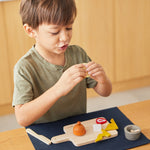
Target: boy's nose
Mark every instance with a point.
(64, 36)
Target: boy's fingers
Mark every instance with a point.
(79, 65)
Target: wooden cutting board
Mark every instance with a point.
(88, 138)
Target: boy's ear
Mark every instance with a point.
(29, 30)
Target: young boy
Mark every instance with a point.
(50, 79)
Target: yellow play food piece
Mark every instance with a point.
(87, 75)
(103, 134)
(112, 125)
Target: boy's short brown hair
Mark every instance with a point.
(36, 12)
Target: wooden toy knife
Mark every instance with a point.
(39, 137)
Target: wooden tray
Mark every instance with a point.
(88, 138)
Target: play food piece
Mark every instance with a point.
(79, 129)
(97, 127)
(112, 125)
(101, 120)
(103, 134)
(87, 75)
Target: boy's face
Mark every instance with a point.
(53, 38)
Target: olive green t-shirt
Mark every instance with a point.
(33, 75)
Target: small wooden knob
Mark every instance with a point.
(79, 129)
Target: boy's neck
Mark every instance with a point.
(51, 57)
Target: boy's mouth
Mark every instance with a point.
(64, 47)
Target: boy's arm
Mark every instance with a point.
(96, 72)
(29, 112)
(103, 89)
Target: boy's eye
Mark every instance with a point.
(68, 28)
(54, 33)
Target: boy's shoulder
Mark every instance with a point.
(25, 60)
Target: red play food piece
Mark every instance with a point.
(101, 120)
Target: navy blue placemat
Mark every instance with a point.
(56, 128)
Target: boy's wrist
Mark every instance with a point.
(57, 90)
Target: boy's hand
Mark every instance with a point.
(70, 78)
(96, 72)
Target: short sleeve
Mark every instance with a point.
(23, 92)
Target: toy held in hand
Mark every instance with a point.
(87, 75)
